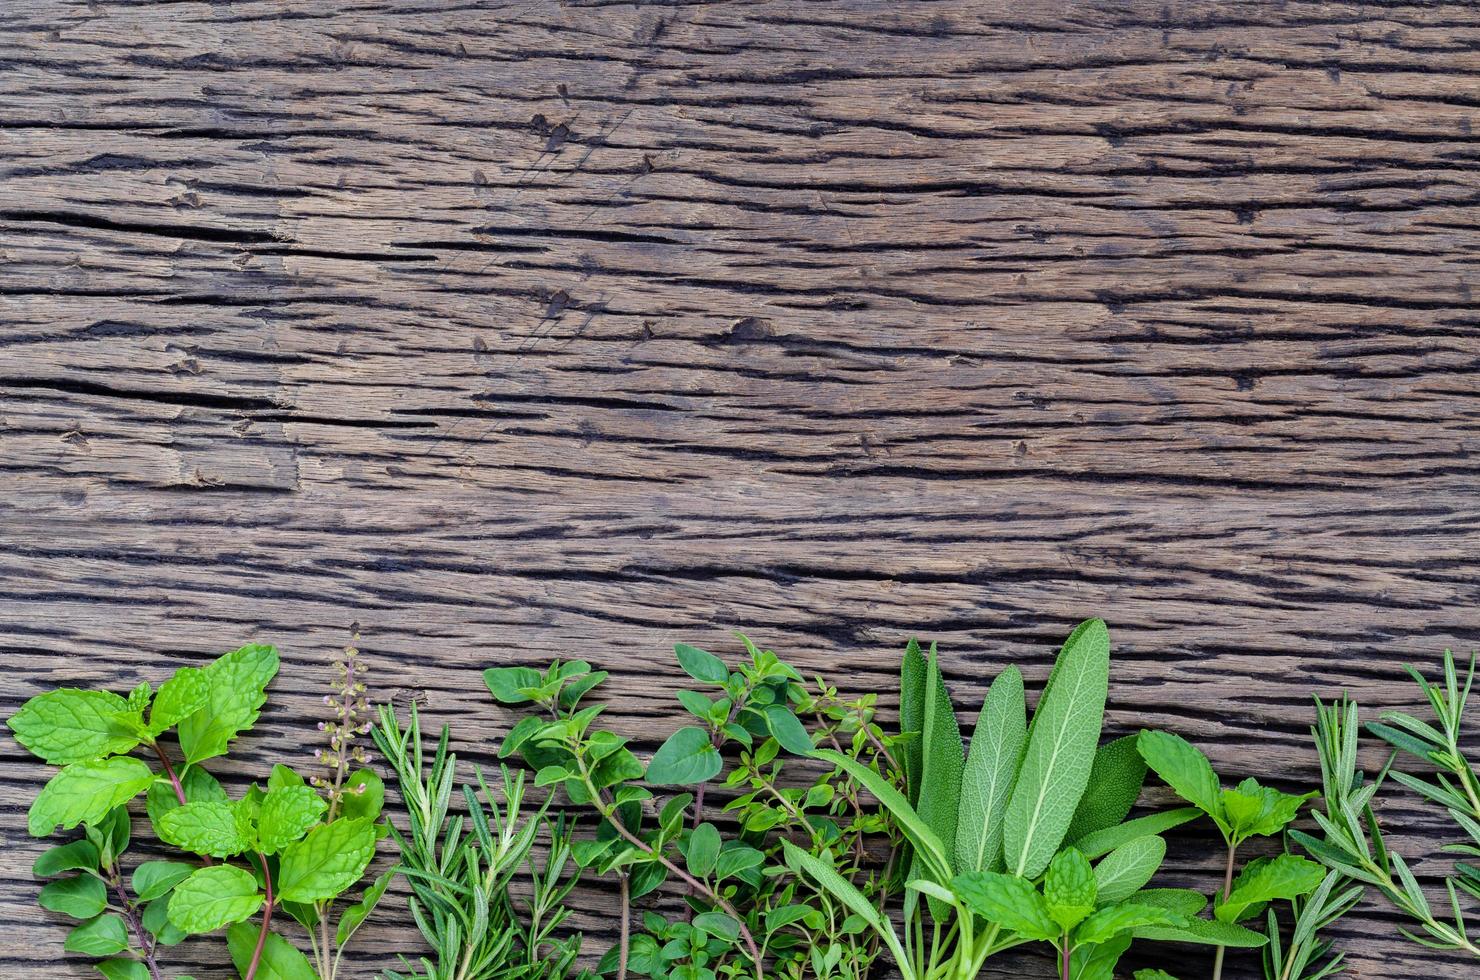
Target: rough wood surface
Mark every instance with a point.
(502, 331)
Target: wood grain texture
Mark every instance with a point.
(506, 331)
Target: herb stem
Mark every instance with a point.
(1064, 959)
(131, 914)
(251, 970)
(164, 760)
(1227, 890)
(626, 927)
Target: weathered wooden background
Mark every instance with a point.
(506, 331)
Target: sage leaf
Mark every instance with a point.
(912, 716)
(991, 770)
(845, 892)
(1115, 782)
(1127, 869)
(1102, 842)
(920, 836)
(1204, 932)
(1060, 752)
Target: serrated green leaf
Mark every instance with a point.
(991, 770)
(1060, 752)
(1115, 781)
(1264, 880)
(81, 897)
(103, 936)
(1153, 975)
(181, 696)
(198, 785)
(79, 855)
(1186, 770)
(1069, 888)
(1125, 870)
(326, 862)
(212, 897)
(1009, 901)
(701, 665)
(154, 878)
(281, 960)
(237, 683)
(686, 758)
(1115, 920)
(703, 850)
(1259, 811)
(286, 814)
(204, 828)
(85, 792)
(68, 725)
(283, 777)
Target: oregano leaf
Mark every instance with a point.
(687, 757)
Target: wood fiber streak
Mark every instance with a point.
(506, 331)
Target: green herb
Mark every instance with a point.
(1248, 810)
(1006, 877)
(90, 735)
(751, 909)
(1352, 842)
(461, 867)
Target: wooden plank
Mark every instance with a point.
(506, 331)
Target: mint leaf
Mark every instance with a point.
(1259, 811)
(1125, 870)
(81, 897)
(326, 862)
(68, 725)
(1061, 751)
(154, 878)
(1069, 888)
(212, 897)
(179, 697)
(237, 688)
(286, 815)
(80, 855)
(1186, 770)
(199, 787)
(1263, 880)
(687, 757)
(281, 960)
(204, 828)
(991, 770)
(103, 936)
(701, 665)
(1009, 901)
(85, 792)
